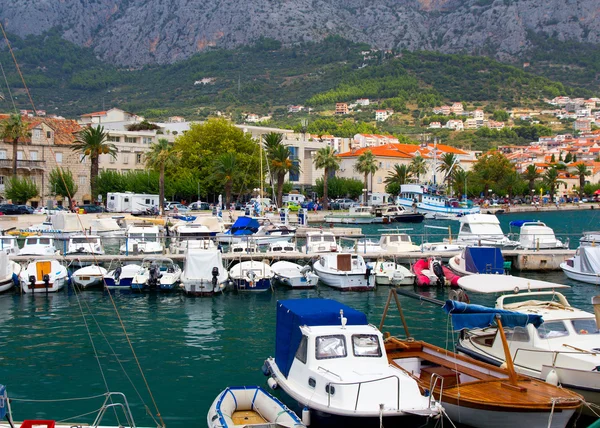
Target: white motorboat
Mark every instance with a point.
(590, 238)
(190, 236)
(364, 246)
(43, 276)
(39, 246)
(478, 260)
(483, 230)
(563, 350)
(320, 242)
(143, 239)
(203, 272)
(355, 215)
(268, 233)
(397, 213)
(535, 235)
(282, 247)
(344, 271)
(248, 406)
(331, 360)
(584, 266)
(391, 273)
(427, 201)
(121, 277)
(84, 245)
(251, 276)
(9, 245)
(156, 273)
(244, 247)
(9, 272)
(89, 276)
(107, 227)
(243, 228)
(294, 275)
(397, 243)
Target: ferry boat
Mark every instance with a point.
(427, 201)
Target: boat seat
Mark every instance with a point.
(451, 378)
(247, 417)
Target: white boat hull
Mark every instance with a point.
(590, 278)
(89, 276)
(346, 281)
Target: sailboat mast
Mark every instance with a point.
(261, 170)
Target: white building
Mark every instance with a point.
(456, 125)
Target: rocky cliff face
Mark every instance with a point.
(137, 32)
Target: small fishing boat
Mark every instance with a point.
(584, 266)
(43, 276)
(81, 244)
(294, 275)
(478, 260)
(251, 276)
(535, 235)
(248, 406)
(344, 271)
(203, 272)
(244, 247)
(282, 247)
(328, 357)
(142, 238)
(121, 277)
(320, 242)
(39, 246)
(89, 276)
(9, 245)
(9, 272)
(156, 273)
(397, 243)
(391, 273)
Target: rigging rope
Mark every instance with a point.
(8, 87)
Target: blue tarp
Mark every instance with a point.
(484, 260)
(519, 223)
(477, 316)
(291, 314)
(244, 226)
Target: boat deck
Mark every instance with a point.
(247, 417)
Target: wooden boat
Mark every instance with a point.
(477, 393)
(248, 406)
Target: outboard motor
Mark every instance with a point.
(46, 279)
(117, 274)
(215, 275)
(436, 266)
(154, 275)
(31, 282)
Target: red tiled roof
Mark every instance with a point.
(96, 113)
(389, 150)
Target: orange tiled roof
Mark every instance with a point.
(389, 150)
(96, 113)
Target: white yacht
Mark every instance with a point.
(535, 235)
(293, 275)
(143, 239)
(330, 359)
(39, 246)
(43, 276)
(428, 201)
(344, 271)
(320, 242)
(563, 350)
(584, 266)
(84, 245)
(203, 272)
(483, 229)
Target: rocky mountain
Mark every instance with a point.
(138, 32)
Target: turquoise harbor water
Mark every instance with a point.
(189, 348)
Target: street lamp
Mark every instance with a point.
(366, 201)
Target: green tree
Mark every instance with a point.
(366, 164)
(461, 181)
(500, 115)
(448, 165)
(271, 141)
(326, 159)
(530, 175)
(281, 163)
(161, 155)
(552, 158)
(490, 169)
(551, 180)
(581, 171)
(92, 142)
(20, 190)
(110, 181)
(13, 128)
(418, 167)
(568, 158)
(396, 178)
(225, 169)
(61, 182)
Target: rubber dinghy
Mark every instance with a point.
(247, 406)
(431, 271)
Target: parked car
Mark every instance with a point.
(292, 206)
(92, 209)
(198, 206)
(344, 204)
(11, 209)
(28, 208)
(180, 207)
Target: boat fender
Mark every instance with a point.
(272, 383)
(265, 369)
(368, 273)
(15, 279)
(306, 416)
(552, 378)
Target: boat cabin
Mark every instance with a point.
(148, 233)
(85, 244)
(320, 242)
(397, 242)
(38, 246)
(9, 245)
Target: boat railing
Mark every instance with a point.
(112, 400)
(433, 382)
(555, 354)
(328, 388)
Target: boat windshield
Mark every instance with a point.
(331, 347)
(83, 240)
(365, 345)
(585, 326)
(399, 238)
(551, 329)
(328, 238)
(44, 241)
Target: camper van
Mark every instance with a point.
(293, 197)
(375, 198)
(129, 202)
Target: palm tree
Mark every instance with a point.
(13, 128)
(461, 178)
(552, 181)
(326, 159)
(225, 168)
(366, 164)
(161, 155)
(281, 163)
(418, 166)
(271, 141)
(448, 167)
(398, 176)
(582, 172)
(531, 174)
(92, 142)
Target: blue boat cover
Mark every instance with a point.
(185, 217)
(484, 260)
(244, 226)
(477, 316)
(519, 223)
(291, 314)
